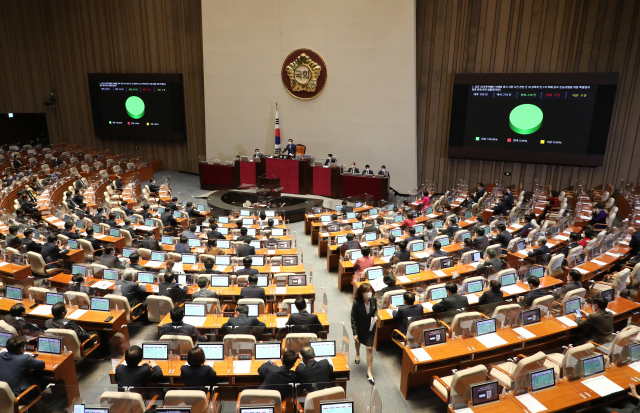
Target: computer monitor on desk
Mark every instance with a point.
(592, 365)
(223, 220)
(345, 406)
(79, 269)
(434, 336)
(412, 268)
(326, 348)
(608, 295)
(256, 409)
(474, 287)
(268, 351)
(485, 326)
(212, 351)
(542, 379)
(437, 293)
(486, 392)
(572, 306)
(224, 244)
(54, 298)
(219, 281)
(13, 293)
(223, 260)
(195, 310)
(4, 337)
(155, 351)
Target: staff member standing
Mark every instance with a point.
(290, 148)
(363, 323)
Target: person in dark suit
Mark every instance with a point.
(346, 208)
(452, 301)
(153, 188)
(242, 319)
(290, 148)
(390, 281)
(99, 216)
(402, 254)
(367, 170)
(527, 227)
(69, 232)
(59, 311)
(350, 244)
(196, 374)
(97, 248)
(78, 199)
(135, 375)
(437, 252)
(573, 284)
(383, 171)
(124, 206)
(257, 154)
(279, 378)
(247, 270)
(109, 259)
(28, 242)
(494, 261)
(253, 291)
(311, 374)
(573, 238)
(407, 311)
(145, 214)
(504, 236)
(364, 311)
(51, 251)
(150, 242)
(541, 250)
(118, 183)
(12, 238)
(193, 212)
(214, 234)
(71, 203)
(508, 198)
(169, 288)
(352, 169)
(17, 163)
(534, 292)
(204, 292)
(16, 366)
(466, 247)
(177, 327)
(303, 322)
(182, 247)
(245, 249)
(208, 267)
(167, 218)
(22, 326)
(493, 294)
(479, 193)
(330, 159)
(480, 242)
(131, 289)
(111, 220)
(599, 324)
(451, 229)
(370, 227)
(599, 214)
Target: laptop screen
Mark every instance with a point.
(268, 351)
(388, 251)
(146, 277)
(543, 379)
(325, 218)
(223, 220)
(297, 280)
(157, 256)
(195, 309)
(592, 365)
(438, 293)
(53, 298)
(474, 286)
(257, 260)
(370, 236)
(341, 239)
(324, 348)
(4, 337)
(608, 294)
(212, 351)
(277, 232)
(247, 221)
(521, 245)
(126, 252)
(417, 246)
(194, 242)
(270, 213)
(245, 213)
(437, 224)
(177, 214)
(357, 225)
(374, 273)
(73, 244)
(256, 409)
(571, 306)
(444, 242)
(49, 345)
(435, 336)
(110, 275)
(149, 222)
(351, 215)
(155, 351)
(289, 260)
(419, 228)
(223, 260)
(263, 281)
(536, 272)
(224, 244)
(294, 309)
(355, 254)
(219, 281)
(530, 316)
(254, 310)
(114, 232)
(484, 393)
(634, 349)
(508, 279)
(79, 269)
(201, 207)
(14, 293)
(100, 304)
(485, 326)
(412, 268)
(397, 299)
(189, 259)
(251, 232)
(167, 240)
(255, 244)
(336, 407)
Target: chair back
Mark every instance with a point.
(195, 399)
(39, 293)
(145, 253)
(258, 301)
(212, 303)
(495, 247)
(296, 341)
(521, 377)
(578, 292)
(238, 344)
(7, 328)
(178, 344)
(69, 340)
(77, 298)
(427, 292)
(498, 276)
(313, 399)
(507, 314)
(7, 398)
(121, 302)
(619, 350)
(415, 329)
(620, 280)
(87, 248)
(555, 266)
(569, 366)
(158, 307)
(463, 380)
(123, 402)
(460, 322)
(459, 235)
(38, 266)
(544, 303)
(127, 237)
(263, 397)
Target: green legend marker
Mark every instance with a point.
(135, 107)
(525, 119)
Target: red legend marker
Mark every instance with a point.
(128, 123)
(509, 140)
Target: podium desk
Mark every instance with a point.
(249, 171)
(219, 176)
(326, 181)
(355, 185)
(293, 174)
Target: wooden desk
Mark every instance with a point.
(562, 396)
(61, 370)
(21, 273)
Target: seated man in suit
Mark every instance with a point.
(124, 206)
(504, 237)
(182, 247)
(252, 290)
(383, 171)
(500, 209)
(145, 214)
(466, 248)
(243, 234)
(493, 294)
(541, 250)
(134, 374)
(109, 259)
(12, 238)
(169, 288)
(303, 322)
(177, 327)
(367, 170)
(452, 301)
(573, 243)
(330, 159)
(408, 310)
(214, 233)
(134, 292)
(508, 198)
(346, 208)
(29, 243)
(480, 242)
(450, 230)
(99, 216)
(245, 249)
(111, 220)
(70, 233)
(118, 183)
(153, 188)
(242, 319)
(478, 194)
(534, 292)
(59, 312)
(279, 378)
(334, 220)
(22, 326)
(257, 154)
(16, 368)
(134, 259)
(494, 261)
(247, 270)
(193, 212)
(403, 254)
(127, 227)
(290, 149)
(150, 242)
(204, 292)
(350, 244)
(412, 235)
(50, 250)
(352, 169)
(599, 324)
(573, 284)
(527, 227)
(311, 374)
(168, 220)
(437, 252)
(97, 247)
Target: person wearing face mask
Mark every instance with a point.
(367, 170)
(290, 148)
(476, 196)
(363, 323)
(599, 215)
(353, 169)
(383, 171)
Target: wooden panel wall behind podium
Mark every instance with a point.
(54, 44)
(526, 36)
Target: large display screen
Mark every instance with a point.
(560, 118)
(138, 106)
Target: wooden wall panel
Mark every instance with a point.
(47, 45)
(526, 36)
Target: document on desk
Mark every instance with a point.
(275, 268)
(516, 226)
(613, 254)
(390, 311)
(598, 263)
(77, 314)
(281, 290)
(2, 264)
(530, 402)
(602, 385)
(329, 359)
(474, 264)
(364, 244)
(221, 268)
(103, 285)
(581, 270)
(473, 299)
(377, 284)
(523, 332)
(432, 215)
(177, 267)
(271, 252)
(463, 410)
(428, 306)
(41, 310)
(98, 236)
(567, 321)
(403, 279)
(154, 264)
(194, 320)
(491, 340)
(635, 366)
(513, 289)
(281, 322)
(561, 237)
(357, 231)
(440, 273)
(422, 254)
(324, 234)
(421, 354)
(209, 363)
(155, 288)
(241, 366)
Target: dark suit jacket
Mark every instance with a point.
(402, 255)
(137, 376)
(452, 302)
(151, 243)
(154, 188)
(215, 235)
(303, 322)
(493, 262)
(132, 290)
(277, 378)
(490, 296)
(51, 252)
(168, 220)
(94, 243)
(599, 325)
(290, 149)
(353, 170)
(11, 239)
(360, 319)
(197, 376)
(314, 375)
(70, 234)
(539, 251)
(480, 243)
(127, 211)
(247, 271)
(503, 238)
(571, 285)
(112, 223)
(245, 250)
(385, 173)
(451, 230)
(568, 248)
(634, 243)
(98, 218)
(193, 212)
(347, 208)
(253, 291)
(14, 369)
(330, 160)
(532, 295)
(31, 245)
(500, 209)
(182, 248)
(242, 320)
(479, 195)
(403, 313)
(182, 329)
(111, 261)
(65, 323)
(367, 172)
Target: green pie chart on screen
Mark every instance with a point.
(525, 119)
(135, 107)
